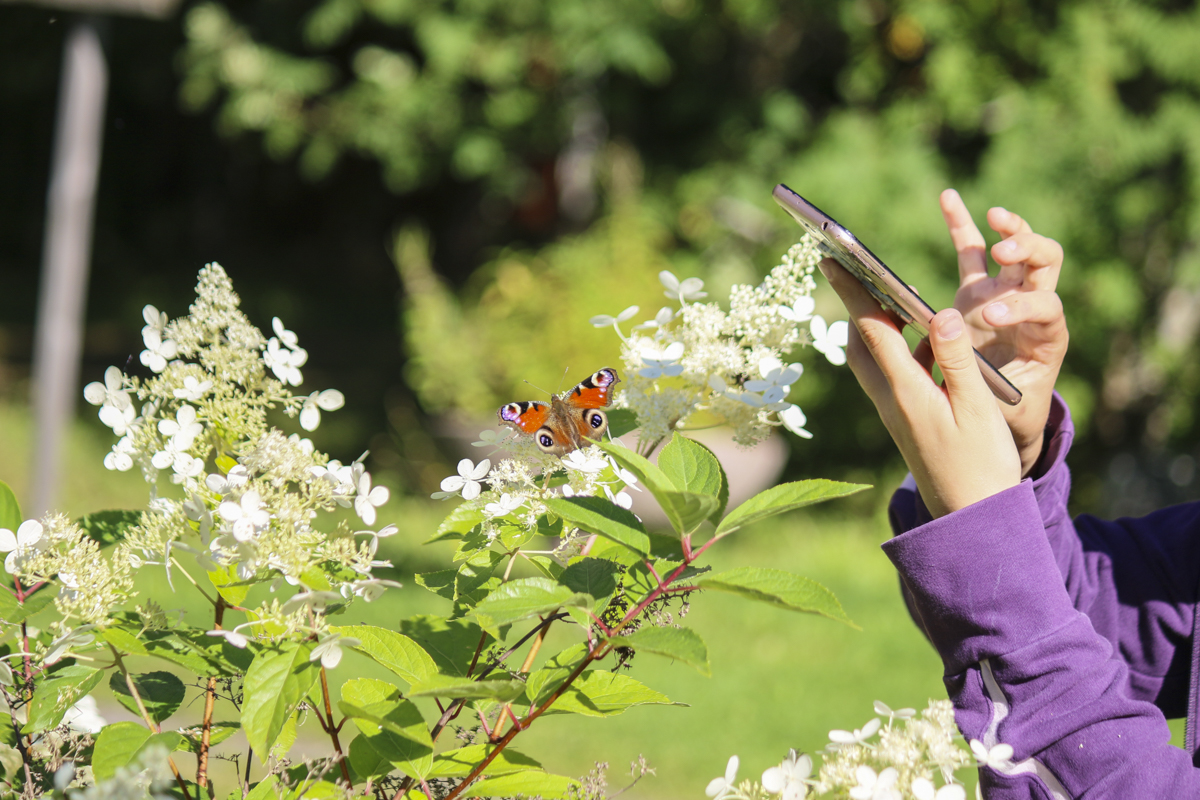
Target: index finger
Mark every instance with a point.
(968, 241)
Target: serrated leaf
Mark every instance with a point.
(459, 763)
(783, 498)
(264, 790)
(161, 692)
(593, 576)
(778, 588)
(124, 641)
(605, 694)
(366, 760)
(646, 471)
(692, 467)
(598, 515)
(478, 577)
(451, 643)
(525, 598)
(686, 510)
(110, 526)
(458, 523)
(450, 687)
(15, 613)
(639, 581)
(528, 784)
(541, 682)
(393, 728)
(274, 686)
(681, 644)
(440, 582)
(10, 509)
(116, 745)
(393, 650)
(55, 695)
(547, 566)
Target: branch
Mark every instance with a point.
(337, 746)
(210, 701)
(137, 698)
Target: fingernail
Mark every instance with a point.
(951, 327)
(1008, 246)
(997, 312)
(821, 266)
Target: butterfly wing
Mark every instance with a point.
(525, 417)
(583, 403)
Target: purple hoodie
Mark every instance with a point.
(1066, 640)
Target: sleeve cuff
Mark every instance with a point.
(983, 579)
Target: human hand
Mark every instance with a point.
(953, 437)
(1015, 319)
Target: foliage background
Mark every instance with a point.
(437, 195)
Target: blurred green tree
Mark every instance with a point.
(1081, 116)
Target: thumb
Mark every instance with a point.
(953, 352)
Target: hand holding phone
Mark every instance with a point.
(884, 285)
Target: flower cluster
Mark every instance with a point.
(916, 760)
(248, 495)
(732, 364)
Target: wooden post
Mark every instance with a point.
(65, 256)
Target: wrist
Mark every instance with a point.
(1033, 453)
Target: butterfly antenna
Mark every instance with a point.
(562, 381)
(540, 389)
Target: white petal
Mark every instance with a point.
(8, 541)
(602, 320)
(673, 352)
(453, 483)
(839, 333)
(481, 470)
(870, 728)
(627, 313)
(731, 768)
(470, 491)
(922, 788)
(769, 365)
(310, 417)
(773, 780)
(95, 393)
(378, 496)
(818, 328)
(331, 400)
(29, 532)
(668, 279)
(835, 356)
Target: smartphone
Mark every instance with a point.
(892, 293)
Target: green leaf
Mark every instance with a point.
(525, 598)
(225, 580)
(169, 740)
(782, 589)
(682, 644)
(528, 784)
(15, 613)
(457, 688)
(366, 760)
(275, 684)
(116, 746)
(217, 733)
(393, 650)
(199, 653)
(547, 566)
(56, 694)
(264, 790)
(393, 728)
(461, 521)
(451, 643)
(621, 421)
(11, 761)
(459, 763)
(687, 510)
(782, 498)
(124, 641)
(109, 527)
(541, 682)
(598, 693)
(692, 467)
(598, 515)
(161, 692)
(478, 577)
(594, 576)
(10, 509)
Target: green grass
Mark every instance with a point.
(780, 679)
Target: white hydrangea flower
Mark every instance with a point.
(586, 461)
(466, 481)
(493, 438)
(158, 351)
(662, 362)
(193, 389)
(285, 362)
(661, 320)
(26, 541)
(369, 590)
(183, 430)
(884, 710)
(310, 413)
(329, 649)
(604, 320)
(856, 736)
(684, 291)
(997, 757)
(789, 779)
(800, 311)
(73, 638)
(84, 716)
(876, 786)
(794, 420)
(156, 320)
(121, 457)
(110, 395)
(720, 788)
(368, 499)
(288, 338)
(923, 789)
(237, 477)
(507, 504)
(247, 515)
(830, 339)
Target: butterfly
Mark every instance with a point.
(568, 420)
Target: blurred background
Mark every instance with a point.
(436, 196)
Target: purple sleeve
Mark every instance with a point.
(1136, 580)
(1025, 667)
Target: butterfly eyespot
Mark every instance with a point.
(595, 418)
(544, 439)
